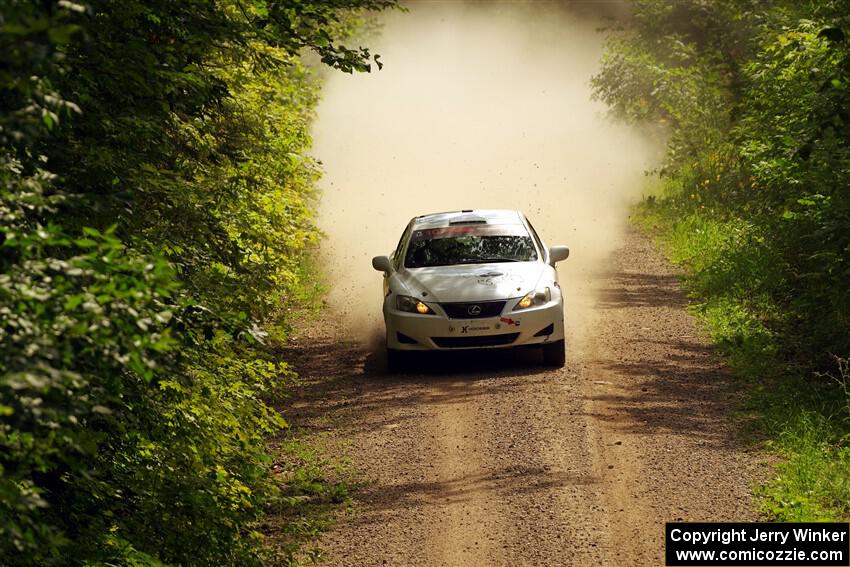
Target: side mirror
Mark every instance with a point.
(382, 264)
(558, 253)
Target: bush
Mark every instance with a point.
(756, 101)
(156, 202)
(754, 205)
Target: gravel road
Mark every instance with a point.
(491, 459)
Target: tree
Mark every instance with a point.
(155, 197)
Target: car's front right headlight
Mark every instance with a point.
(536, 297)
(412, 305)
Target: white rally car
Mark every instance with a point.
(472, 279)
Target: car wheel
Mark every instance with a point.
(555, 354)
(395, 360)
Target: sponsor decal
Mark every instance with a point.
(459, 231)
(509, 321)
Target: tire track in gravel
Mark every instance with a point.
(499, 461)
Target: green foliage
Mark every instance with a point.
(796, 141)
(70, 329)
(812, 484)
(756, 103)
(754, 205)
(156, 202)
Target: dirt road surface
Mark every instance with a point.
(492, 459)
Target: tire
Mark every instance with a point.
(396, 360)
(555, 354)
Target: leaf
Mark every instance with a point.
(48, 118)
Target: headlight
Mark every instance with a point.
(536, 297)
(412, 305)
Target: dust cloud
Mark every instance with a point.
(479, 105)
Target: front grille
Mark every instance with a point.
(479, 341)
(462, 310)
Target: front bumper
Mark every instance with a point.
(536, 325)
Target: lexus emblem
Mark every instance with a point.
(474, 310)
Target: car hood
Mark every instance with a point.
(473, 282)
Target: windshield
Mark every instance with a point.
(469, 245)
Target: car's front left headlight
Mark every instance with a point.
(537, 297)
(412, 305)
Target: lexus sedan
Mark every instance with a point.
(472, 279)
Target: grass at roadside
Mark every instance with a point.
(803, 417)
(313, 488)
(313, 476)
